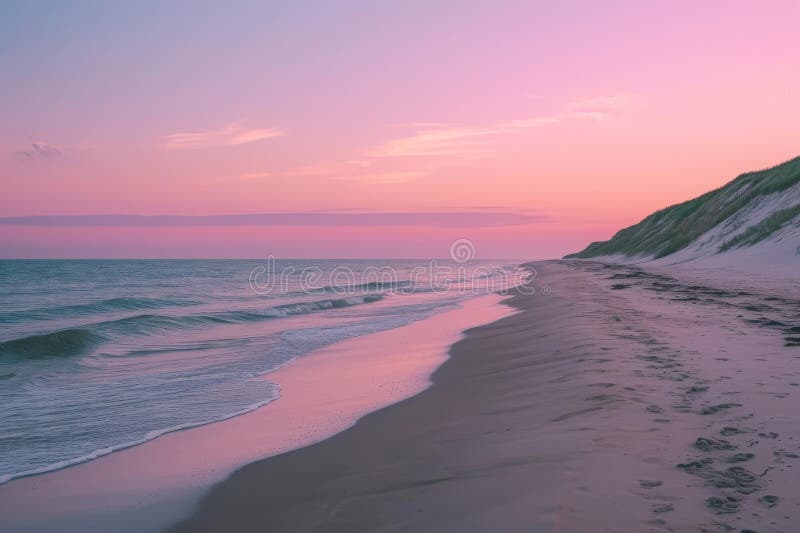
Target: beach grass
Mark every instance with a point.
(674, 228)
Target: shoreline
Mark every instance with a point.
(338, 385)
(597, 407)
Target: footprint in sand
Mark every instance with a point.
(738, 458)
(711, 409)
(769, 500)
(780, 455)
(725, 505)
(729, 430)
(649, 484)
(663, 508)
(706, 444)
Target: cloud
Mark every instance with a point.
(434, 142)
(359, 163)
(433, 139)
(243, 177)
(423, 125)
(457, 219)
(600, 103)
(358, 170)
(231, 135)
(251, 175)
(598, 108)
(321, 168)
(39, 150)
(383, 178)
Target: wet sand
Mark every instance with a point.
(148, 487)
(619, 400)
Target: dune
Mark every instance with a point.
(750, 225)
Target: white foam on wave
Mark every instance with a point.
(150, 435)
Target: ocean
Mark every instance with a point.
(101, 355)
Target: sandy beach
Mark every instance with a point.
(618, 400)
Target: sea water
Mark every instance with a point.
(100, 355)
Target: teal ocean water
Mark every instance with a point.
(97, 355)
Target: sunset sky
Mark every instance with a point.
(378, 129)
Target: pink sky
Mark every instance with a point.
(567, 120)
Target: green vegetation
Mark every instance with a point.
(763, 229)
(674, 228)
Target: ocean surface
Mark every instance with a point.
(97, 356)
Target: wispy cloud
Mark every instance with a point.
(357, 170)
(383, 177)
(40, 150)
(460, 219)
(231, 135)
(434, 142)
(425, 125)
(432, 139)
(601, 103)
(320, 168)
(359, 163)
(251, 175)
(243, 177)
(598, 108)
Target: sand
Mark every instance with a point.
(619, 400)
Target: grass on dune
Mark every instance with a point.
(674, 228)
(763, 229)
